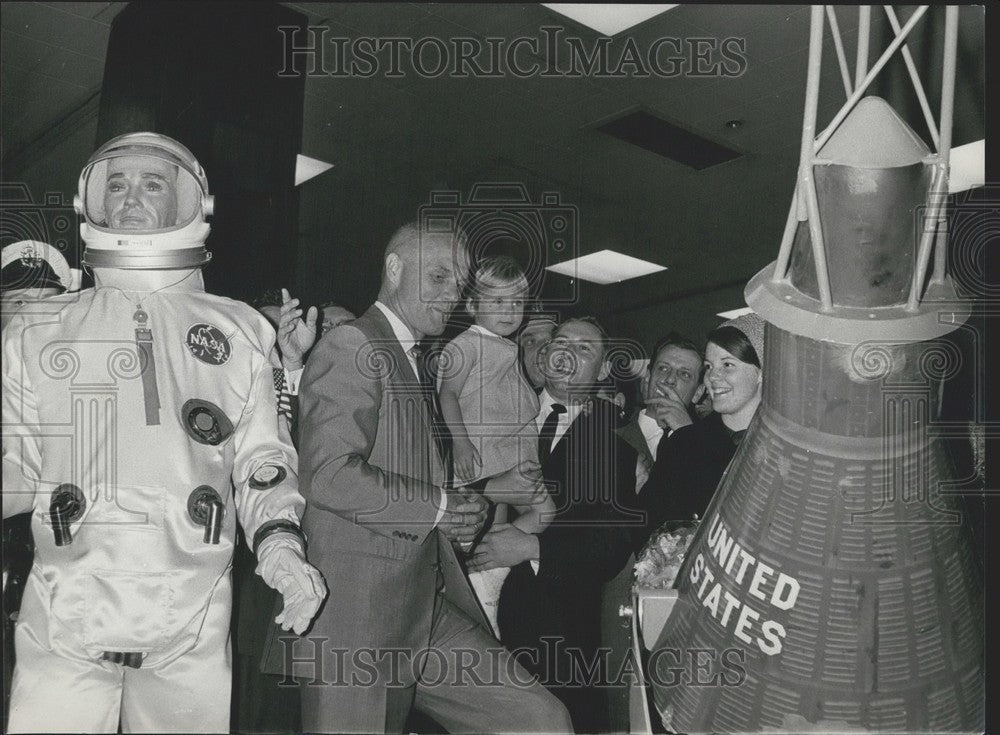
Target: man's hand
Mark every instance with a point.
(295, 337)
(668, 409)
(464, 517)
(466, 459)
(503, 545)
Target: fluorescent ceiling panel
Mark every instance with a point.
(608, 18)
(735, 313)
(968, 167)
(306, 168)
(605, 267)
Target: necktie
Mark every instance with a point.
(548, 432)
(438, 427)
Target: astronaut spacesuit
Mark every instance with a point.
(140, 423)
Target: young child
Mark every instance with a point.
(490, 409)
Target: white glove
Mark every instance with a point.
(283, 567)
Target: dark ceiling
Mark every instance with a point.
(395, 140)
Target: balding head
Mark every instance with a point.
(422, 277)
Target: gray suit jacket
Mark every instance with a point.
(371, 473)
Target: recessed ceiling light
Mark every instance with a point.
(734, 124)
(735, 313)
(605, 267)
(608, 18)
(306, 168)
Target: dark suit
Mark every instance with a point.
(370, 472)
(591, 476)
(616, 631)
(688, 467)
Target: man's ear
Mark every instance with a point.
(605, 370)
(470, 306)
(393, 268)
(644, 384)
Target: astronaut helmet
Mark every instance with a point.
(144, 199)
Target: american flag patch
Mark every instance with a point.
(281, 391)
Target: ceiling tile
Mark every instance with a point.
(377, 20)
(48, 100)
(51, 26)
(93, 10)
(494, 19)
(37, 58)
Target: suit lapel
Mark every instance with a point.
(403, 385)
(374, 324)
(632, 434)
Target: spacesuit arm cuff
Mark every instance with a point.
(270, 528)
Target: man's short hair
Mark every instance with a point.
(603, 338)
(676, 339)
(267, 297)
(409, 235)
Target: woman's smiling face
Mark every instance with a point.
(733, 384)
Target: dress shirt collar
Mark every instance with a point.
(402, 333)
(651, 431)
(545, 401)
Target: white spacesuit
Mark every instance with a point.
(140, 423)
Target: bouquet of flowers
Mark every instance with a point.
(661, 558)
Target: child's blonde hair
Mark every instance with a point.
(495, 272)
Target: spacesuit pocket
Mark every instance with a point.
(117, 610)
(36, 611)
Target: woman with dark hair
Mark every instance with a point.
(733, 372)
(690, 460)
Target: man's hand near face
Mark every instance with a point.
(668, 409)
(295, 336)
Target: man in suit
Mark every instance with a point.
(669, 389)
(534, 336)
(402, 629)
(549, 608)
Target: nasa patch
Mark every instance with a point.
(208, 344)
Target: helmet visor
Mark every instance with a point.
(141, 190)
